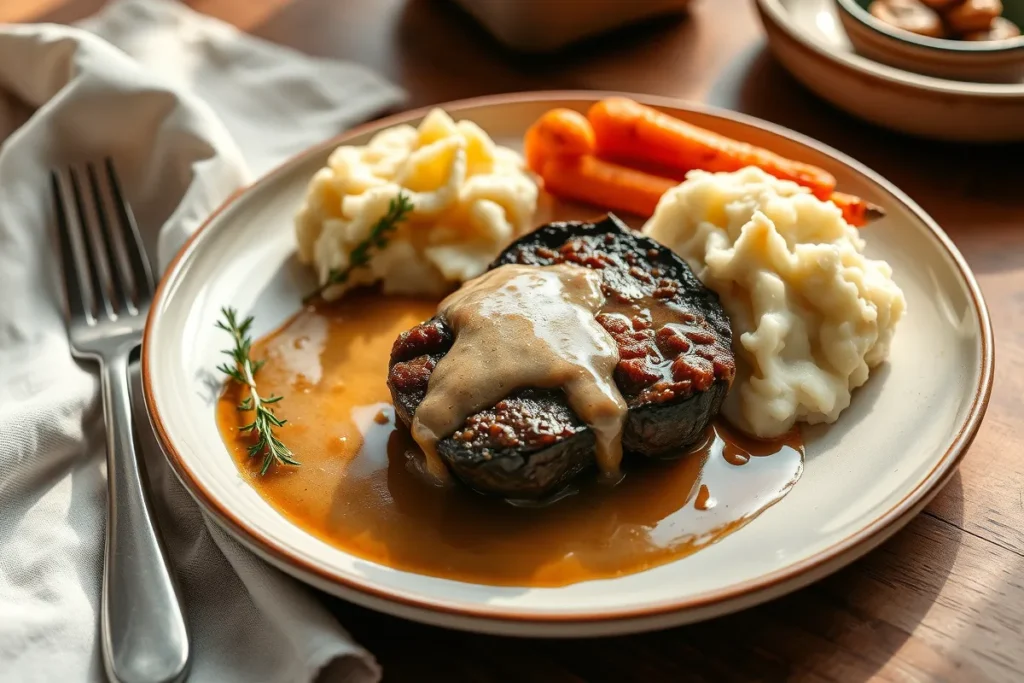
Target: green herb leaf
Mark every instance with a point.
(398, 210)
(264, 421)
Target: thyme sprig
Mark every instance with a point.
(244, 371)
(398, 210)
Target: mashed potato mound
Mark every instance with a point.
(810, 314)
(470, 198)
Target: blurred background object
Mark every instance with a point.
(808, 39)
(548, 25)
(982, 45)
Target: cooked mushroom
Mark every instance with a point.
(909, 15)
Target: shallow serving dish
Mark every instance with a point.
(807, 37)
(996, 61)
(864, 477)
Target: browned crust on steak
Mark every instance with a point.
(675, 366)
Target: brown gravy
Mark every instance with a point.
(357, 490)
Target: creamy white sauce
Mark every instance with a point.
(525, 326)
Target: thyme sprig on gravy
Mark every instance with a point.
(398, 210)
(243, 370)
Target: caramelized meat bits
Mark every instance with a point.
(675, 366)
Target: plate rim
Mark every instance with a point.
(826, 560)
(858, 65)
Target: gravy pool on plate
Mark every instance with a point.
(359, 486)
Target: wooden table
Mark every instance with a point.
(944, 599)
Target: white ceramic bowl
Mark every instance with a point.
(864, 476)
(998, 61)
(537, 26)
(807, 37)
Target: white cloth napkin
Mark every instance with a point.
(190, 109)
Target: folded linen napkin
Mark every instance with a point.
(190, 109)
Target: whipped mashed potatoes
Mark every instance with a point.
(811, 315)
(471, 197)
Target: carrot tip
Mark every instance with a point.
(873, 212)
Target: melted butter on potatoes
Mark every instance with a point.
(811, 315)
(471, 197)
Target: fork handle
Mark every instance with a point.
(141, 620)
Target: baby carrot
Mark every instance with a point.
(533, 149)
(856, 211)
(590, 179)
(627, 129)
(557, 132)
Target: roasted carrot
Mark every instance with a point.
(557, 132)
(533, 149)
(631, 174)
(629, 130)
(856, 211)
(591, 179)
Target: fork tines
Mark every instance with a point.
(105, 269)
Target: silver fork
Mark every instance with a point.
(109, 287)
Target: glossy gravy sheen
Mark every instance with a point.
(359, 489)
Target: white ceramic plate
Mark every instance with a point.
(865, 476)
(808, 38)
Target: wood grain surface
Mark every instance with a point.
(944, 599)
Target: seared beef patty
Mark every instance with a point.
(675, 366)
